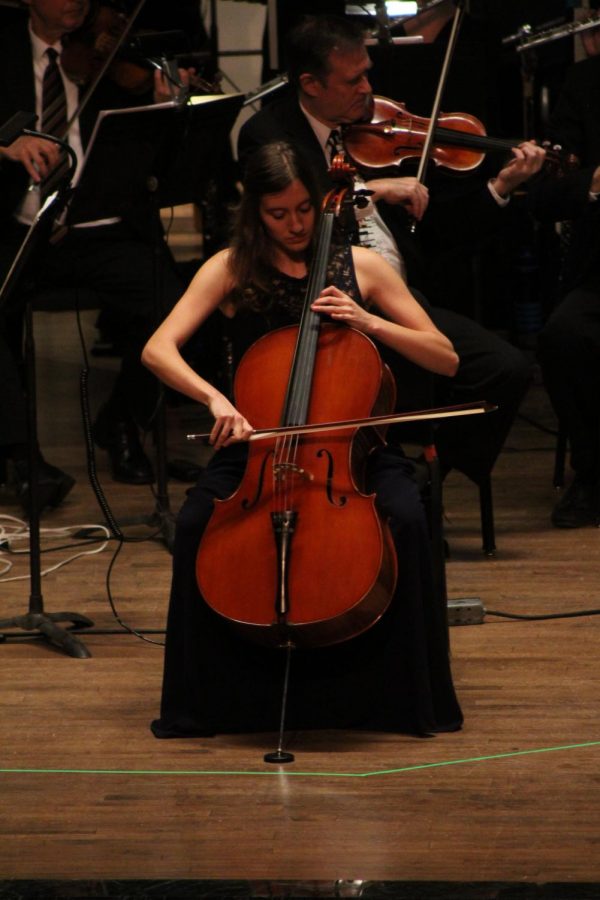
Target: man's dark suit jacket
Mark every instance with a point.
(17, 93)
(575, 125)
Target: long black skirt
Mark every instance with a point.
(394, 677)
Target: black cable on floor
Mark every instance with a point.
(569, 615)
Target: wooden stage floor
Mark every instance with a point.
(88, 795)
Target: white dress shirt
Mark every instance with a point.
(30, 205)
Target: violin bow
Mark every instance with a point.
(435, 112)
(104, 68)
(474, 408)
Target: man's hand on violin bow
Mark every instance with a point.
(230, 425)
(38, 156)
(408, 192)
(165, 90)
(528, 159)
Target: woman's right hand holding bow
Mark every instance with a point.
(230, 425)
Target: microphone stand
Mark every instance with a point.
(383, 22)
(36, 619)
(162, 517)
(382, 34)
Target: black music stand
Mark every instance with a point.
(164, 152)
(158, 156)
(36, 618)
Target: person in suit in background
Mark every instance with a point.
(115, 258)
(569, 344)
(328, 68)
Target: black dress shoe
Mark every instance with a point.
(128, 462)
(578, 506)
(53, 485)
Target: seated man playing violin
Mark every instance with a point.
(328, 68)
(115, 258)
(569, 343)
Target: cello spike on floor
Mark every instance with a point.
(280, 755)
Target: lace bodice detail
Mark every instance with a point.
(287, 295)
(283, 305)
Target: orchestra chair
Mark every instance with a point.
(565, 234)
(486, 513)
(486, 506)
(423, 435)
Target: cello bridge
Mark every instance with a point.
(281, 470)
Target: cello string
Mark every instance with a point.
(310, 327)
(306, 354)
(276, 501)
(285, 470)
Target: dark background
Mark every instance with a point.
(510, 281)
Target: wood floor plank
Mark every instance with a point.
(514, 796)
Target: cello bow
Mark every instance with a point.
(476, 407)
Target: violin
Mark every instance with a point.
(459, 144)
(87, 61)
(298, 555)
(87, 51)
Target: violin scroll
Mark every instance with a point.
(558, 161)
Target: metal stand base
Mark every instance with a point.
(162, 520)
(45, 623)
(36, 619)
(279, 756)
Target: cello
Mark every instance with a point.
(298, 555)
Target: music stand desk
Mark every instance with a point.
(167, 148)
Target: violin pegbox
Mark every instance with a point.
(558, 161)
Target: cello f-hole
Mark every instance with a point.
(249, 504)
(329, 479)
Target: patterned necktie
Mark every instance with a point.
(54, 118)
(334, 144)
(54, 100)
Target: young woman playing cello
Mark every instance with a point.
(393, 677)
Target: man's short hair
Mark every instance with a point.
(310, 42)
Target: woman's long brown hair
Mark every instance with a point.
(269, 170)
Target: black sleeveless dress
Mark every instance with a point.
(394, 677)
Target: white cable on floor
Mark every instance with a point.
(15, 530)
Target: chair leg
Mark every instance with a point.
(434, 506)
(560, 456)
(486, 508)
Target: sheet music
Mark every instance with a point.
(198, 99)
